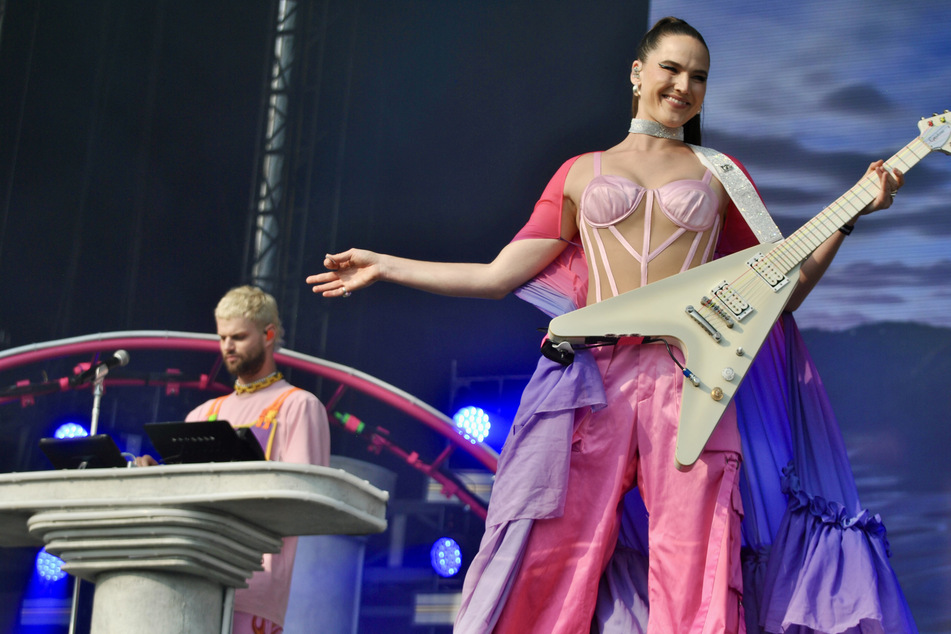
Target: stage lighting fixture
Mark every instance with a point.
(446, 557)
(70, 430)
(472, 423)
(49, 567)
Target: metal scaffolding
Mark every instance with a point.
(296, 181)
(268, 209)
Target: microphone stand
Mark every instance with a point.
(74, 609)
(97, 391)
(101, 373)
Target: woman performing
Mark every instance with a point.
(565, 550)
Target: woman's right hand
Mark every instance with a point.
(347, 271)
(517, 263)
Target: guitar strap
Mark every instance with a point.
(741, 191)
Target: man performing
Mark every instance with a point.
(290, 423)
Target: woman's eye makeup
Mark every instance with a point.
(672, 69)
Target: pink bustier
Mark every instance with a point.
(691, 205)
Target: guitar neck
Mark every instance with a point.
(797, 247)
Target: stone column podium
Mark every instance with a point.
(163, 543)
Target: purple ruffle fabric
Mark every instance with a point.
(827, 568)
(829, 571)
(532, 477)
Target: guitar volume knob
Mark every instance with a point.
(728, 374)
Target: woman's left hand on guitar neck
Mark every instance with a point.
(889, 182)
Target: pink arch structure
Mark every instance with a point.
(345, 377)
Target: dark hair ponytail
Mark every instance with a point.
(663, 28)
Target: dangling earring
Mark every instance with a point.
(637, 90)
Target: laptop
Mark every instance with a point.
(90, 452)
(179, 442)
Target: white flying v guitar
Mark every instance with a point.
(722, 311)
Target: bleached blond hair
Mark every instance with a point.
(250, 302)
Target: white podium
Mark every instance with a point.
(162, 543)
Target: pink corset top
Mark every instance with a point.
(691, 205)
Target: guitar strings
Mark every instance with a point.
(789, 253)
(827, 222)
(799, 246)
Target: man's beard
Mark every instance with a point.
(247, 367)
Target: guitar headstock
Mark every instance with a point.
(936, 132)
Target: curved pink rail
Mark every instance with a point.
(197, 342)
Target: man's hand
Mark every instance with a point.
(144, 461)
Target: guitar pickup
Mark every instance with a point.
(765, 269)
(732, 300)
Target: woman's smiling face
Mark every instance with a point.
(673, 80)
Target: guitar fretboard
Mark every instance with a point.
(800, 245)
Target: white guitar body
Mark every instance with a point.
(718, 359)
(721, 312)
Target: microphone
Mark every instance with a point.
(117, 358)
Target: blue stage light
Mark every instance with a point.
(49, 567)
(70, 430)
(472, 423)
(446, 557)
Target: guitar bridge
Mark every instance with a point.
(718, 310)
(765, 269)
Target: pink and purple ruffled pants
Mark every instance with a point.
(694, 575)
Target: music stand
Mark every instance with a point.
(203, 441)
(90, 452)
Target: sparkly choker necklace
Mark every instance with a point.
(643, 126)
(260, 384)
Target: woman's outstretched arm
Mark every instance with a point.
(515, 264)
